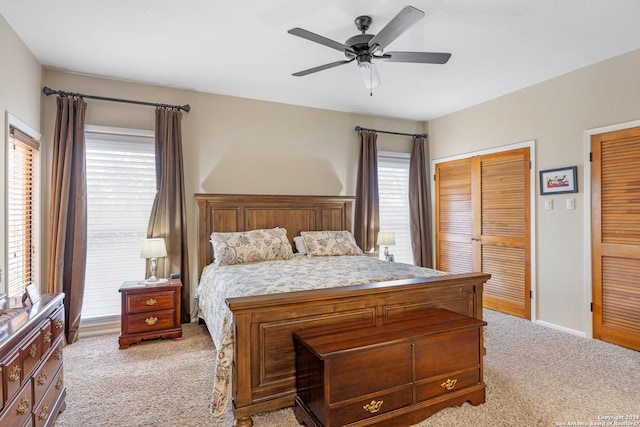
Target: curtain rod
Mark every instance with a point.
(48, 91)
(415, 135)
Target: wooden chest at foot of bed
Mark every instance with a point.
(396, 374)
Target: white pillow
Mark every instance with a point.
(300, 247)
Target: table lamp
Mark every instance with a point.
(153, 249)
(386, 239)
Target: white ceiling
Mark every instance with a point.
(242, 48)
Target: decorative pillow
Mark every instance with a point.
(330, 243)
(250, 246)
(300, 247)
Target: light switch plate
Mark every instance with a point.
(548, 204)
(571, 203)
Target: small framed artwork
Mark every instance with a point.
(34, 293)
(559, 181)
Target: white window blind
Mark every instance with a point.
(121, 186)
(393, 190)
(21, 215)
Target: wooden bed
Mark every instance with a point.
(264, 370)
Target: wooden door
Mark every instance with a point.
(615, 236)
(483, 224)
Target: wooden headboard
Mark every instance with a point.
(243, 212)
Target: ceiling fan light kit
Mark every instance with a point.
(365, 48)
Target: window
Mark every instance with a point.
(22, 217)
(121, 186)
(393, 189)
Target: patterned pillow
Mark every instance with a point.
(250, 246)
(330, 243)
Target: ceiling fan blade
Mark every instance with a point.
(398, 25)
(300, 32)
(321, 67)
(419, 57)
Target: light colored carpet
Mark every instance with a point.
(535, 376)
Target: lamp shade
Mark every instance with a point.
(153, 248)
(386, 238)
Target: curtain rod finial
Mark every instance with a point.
(48, 91)
(186, 108)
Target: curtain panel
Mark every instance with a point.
(168, 218)
(68, 211)
(419, 209)
(367, 210)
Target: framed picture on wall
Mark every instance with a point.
(559, 181)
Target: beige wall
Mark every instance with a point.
(555, 114)
(236, 145)
(20, 78)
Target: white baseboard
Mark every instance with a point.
(561, 328)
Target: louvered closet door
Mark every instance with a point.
(504, 237)
(454, 217)
(482, 224)
(615, 219)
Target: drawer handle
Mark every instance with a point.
(151, 320)
(59, 384)
(14, 375)
(152, 301)
(374, 406)
(42, 378)
(33, 350)
(449, 384)
(58, 324)
(23, 406)
(47, 336)
(58, 354)
(43, 412)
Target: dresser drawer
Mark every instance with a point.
(44, 376)
(152, 301)
(152, 321)
(12, 375)
(446, 384)
(57, 323)
(47, 336)
(18, 411)
(31, 352)
(434, 355)
(367, 408)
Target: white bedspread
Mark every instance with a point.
(218, 283)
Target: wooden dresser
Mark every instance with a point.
(150, 311)
(31, 342)
(392, 375)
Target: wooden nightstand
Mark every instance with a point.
(150, 311)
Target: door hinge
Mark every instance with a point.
(530, 294)
(591, 307)
(529, 164)
(591, 157)
(434, 176)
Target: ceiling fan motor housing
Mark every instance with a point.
(360, 45)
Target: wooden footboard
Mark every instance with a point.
(264, 372)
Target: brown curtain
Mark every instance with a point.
(68, 212)
(168, 214)
(419, 211)
(366, 217)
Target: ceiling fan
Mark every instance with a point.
(364, 48)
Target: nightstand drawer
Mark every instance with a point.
(153, 321)
(152, 301)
